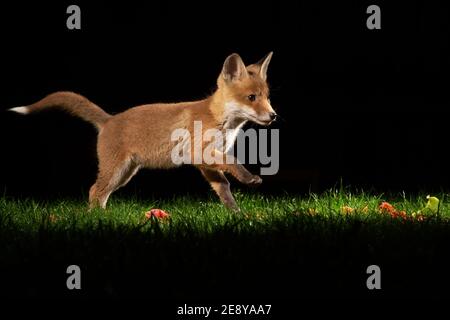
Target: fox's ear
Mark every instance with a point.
(264, 65)
(234, 68)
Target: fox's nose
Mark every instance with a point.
(272, 116)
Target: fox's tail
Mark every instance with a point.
(71, 102)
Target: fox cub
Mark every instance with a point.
(140, 137)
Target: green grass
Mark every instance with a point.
(206, 216)
(273, 246)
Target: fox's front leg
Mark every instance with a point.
(221, 186)
(243, 175)
(237, 170)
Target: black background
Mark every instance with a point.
(365, 107)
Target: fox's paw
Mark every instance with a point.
(255, 181)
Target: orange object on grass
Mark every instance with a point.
(157, 213)
(386, 207)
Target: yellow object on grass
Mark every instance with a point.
(432, 205)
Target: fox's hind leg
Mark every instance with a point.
(221, 186)
(113, 174)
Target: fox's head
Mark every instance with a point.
(245, 91)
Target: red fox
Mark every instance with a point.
(140, 137)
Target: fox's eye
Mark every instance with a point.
(252, 97)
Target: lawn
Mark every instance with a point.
(277, 247)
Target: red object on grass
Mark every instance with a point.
(386, 207)
(157, 213)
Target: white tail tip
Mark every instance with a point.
(22, 110)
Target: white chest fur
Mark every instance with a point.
(235, 117)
